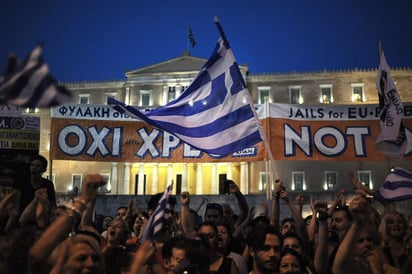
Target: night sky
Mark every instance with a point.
(91, 40)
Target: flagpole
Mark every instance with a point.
(380, 49)
(269, 168)
(222, 33)
(388, 162)
(188, 43)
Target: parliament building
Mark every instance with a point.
(320, 126)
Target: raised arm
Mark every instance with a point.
(275, 212)
(293, 210)
(43, 209)
(186, 217)
(359, 207)
(28, 215)
(61, 227)
(311, 228)
(321, 257)
(300, 224)
(299, 201)
(243, 207)
(338, 201)
(387, 205)
(86, 222)
(7, 200)
(130, 211)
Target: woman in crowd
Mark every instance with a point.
(79, 254)
(117, 255)
(291, 262)
(393, 229)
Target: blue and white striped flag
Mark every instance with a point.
(215, 114)
(30, 84)
(155, 222)
(397, 185)
(392, 140)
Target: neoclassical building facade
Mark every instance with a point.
(307, 97)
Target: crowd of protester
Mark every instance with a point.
(340, 236)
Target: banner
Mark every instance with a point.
(19, 133)
(327, 132)
(321, 132)
(100, 133)
(19, 141)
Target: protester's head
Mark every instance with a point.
(291, 262)
(260, 220)
(209, 231)
(121, 211)
(341, 220)
(308, 220)
(139, 221)
(174, 251)
(293, 241)
(393, 226)
(368, 239)
(214, 213)
(264, 248)
(106, 222)
(223, 237)
(197, 260)
(38, 165)
(78, 254)
(288, 225)
(254, 224)
(118, 232)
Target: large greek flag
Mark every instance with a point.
(215, 114)
(29, 83)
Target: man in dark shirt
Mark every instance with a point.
(27, 182)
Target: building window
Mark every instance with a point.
(326, 96)
(109, 94)
(171, 94)
(298, 181)
(84, 99)
(182, 88)
(357, 93)
(263, 181)
(77, 181)
(145, 98)
(294, 95)
(364, 176)
(330, 179)
(31, 110)
(107, 187)
(264, 94)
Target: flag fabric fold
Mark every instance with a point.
(392, 140)
(29, 83)
(191, 37)
(215, 114)
(155, 222)
(397, 185)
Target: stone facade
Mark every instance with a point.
(154, 85)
